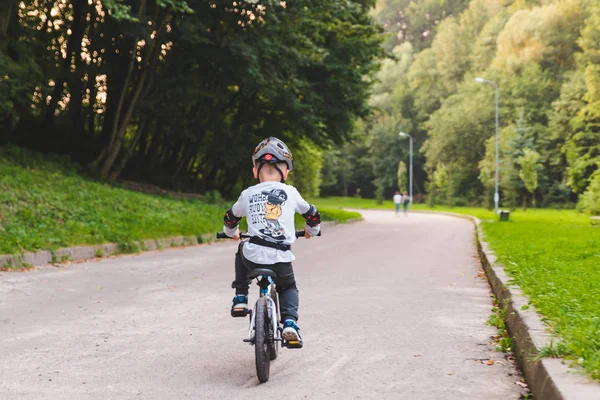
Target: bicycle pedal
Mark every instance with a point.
(293, 344)
(240, 313)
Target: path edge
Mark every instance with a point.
(547, 378)
(28, 260)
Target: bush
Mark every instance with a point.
(213, 197)
(558, 193)
(431, 193)
(379, 191)
(308, 161)
(589, 202)
(461, 202)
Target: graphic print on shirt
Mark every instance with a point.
(275, 199)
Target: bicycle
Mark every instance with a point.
(264, 332)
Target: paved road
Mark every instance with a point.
(391, 308)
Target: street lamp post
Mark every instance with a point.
(403, 134)
(496, 194)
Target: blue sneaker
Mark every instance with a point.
(240, 306)
(291, 334)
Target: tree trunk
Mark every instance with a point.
(183, 160)
(5, 16)
(91, 115)
(126, 157)
(75, 74)
(65, 74)
(115, 128)
(524, 202)
(116, 139)
(109, 148)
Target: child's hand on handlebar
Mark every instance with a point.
(306, 234)
(236, 236)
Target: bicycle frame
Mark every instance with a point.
(273, 309)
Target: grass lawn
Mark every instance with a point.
(554, 256)
(45, 204)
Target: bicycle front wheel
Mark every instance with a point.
(261, 340)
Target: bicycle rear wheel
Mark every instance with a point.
(261, 340)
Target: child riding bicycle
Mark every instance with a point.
(269, 208)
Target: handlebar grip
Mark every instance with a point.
(222, 235)
(300, 234)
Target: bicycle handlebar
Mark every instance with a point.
(222, 235)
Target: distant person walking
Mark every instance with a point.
(405, 201)
(397, 201)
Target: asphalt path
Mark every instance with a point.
(391, 308)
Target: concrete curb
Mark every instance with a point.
(83, 253)
(548, 378)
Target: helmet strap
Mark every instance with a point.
(258, 171)
(280, 172)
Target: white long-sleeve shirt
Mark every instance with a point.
(269, 209)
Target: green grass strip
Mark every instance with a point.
(554, 256)
(45, 205)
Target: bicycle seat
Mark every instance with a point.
(255, 273)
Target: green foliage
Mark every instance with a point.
(590, 200)
(543, 57)
(402, 176)
(339, 216)
(551, 256)
(414, 21)
(123, 85)
(529, 167)
(306, 176)
(347, 169)
(440, 178)
(544, 35)
(497, 320)
(379, 191)
(46, 204)
(306, 71)
(387, 150)
(213, 197)
(509, 181)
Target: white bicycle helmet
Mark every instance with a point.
(271, 151)
(277, 149)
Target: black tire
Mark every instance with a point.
(261, 341)
(273, 345)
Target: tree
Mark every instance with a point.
(176, 92)
(402, 176)
(306, 175)
(528, 173)
(414, 21)
(545, 35)
(582, 148)
(458, 131)
(590, 200)
(508, 175)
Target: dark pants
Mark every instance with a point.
(405, 207)
(285, 282)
